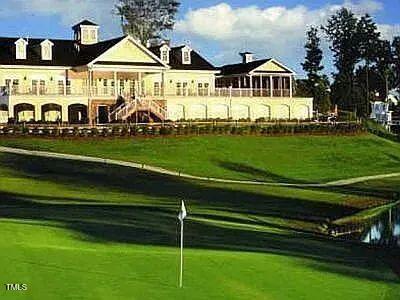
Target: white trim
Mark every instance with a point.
(276, 62)
(139, 45)
(124, 68)
(47, 41)
(34, 67)
(192, 71)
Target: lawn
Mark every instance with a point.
(74, 230)
(293, 159)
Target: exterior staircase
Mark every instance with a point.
(128, 109)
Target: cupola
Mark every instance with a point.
(86, 33)
(247, 57)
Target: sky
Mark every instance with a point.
(219, 30)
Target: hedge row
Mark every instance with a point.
(149, 130)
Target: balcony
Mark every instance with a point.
(110, 92)
(42, 91)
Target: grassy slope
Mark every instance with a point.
(77, 230)
(284, 159)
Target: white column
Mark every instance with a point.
(90, 83)
(65, 82)
(64, 113)
(140, 84)
(251, 85)
(38, 112)
(163, 84)
(281, 84)
(115, 84)
(271, 85)
(261, 86)
(240, 86)
(291, 86)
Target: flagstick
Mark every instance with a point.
(181, 273)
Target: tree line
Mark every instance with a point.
(367, 66)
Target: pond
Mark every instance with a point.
(384, 230)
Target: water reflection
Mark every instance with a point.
(385, 230)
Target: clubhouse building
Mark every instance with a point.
(88, 81)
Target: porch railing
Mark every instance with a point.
(42, 91)
(109, 92)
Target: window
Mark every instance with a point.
(165, 56)
(184, 89)
(46, 52)
(68, 86)
(85, 34)
(93, 34)
(178, 89)
(20, 49)
(157, 89)
(13, 86)
(186, 57)
(105, 84)
(61, 87)
(34, 87)
(42, 88)
(121, 86)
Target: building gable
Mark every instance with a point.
(127, 51)
(273, 66)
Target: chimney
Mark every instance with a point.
(247, 57)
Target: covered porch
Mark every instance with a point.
(255, 84)
(129, 83)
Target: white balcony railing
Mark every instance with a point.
(109, 92)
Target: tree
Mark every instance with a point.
(316, 84)
(396, 61)
(146, 20)
(342, 33)
(384, 60)
(312, 64)
(368, 41)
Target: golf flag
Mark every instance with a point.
(182, 214)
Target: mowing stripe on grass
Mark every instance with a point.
(162, 171)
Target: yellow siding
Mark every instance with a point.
(172, 78)
(51, 77)
(127, 52)
(271, 67)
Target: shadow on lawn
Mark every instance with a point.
(361, 189)
(151, 224)
(252, 173)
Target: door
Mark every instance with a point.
(102, 114)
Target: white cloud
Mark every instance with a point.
(69, 11)
(276, 31)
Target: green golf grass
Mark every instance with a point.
(74, 230)
(293, 159)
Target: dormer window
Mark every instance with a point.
(47, 50)
(186, 55)
(20, 49)
(164, 53)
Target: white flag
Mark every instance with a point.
(182, 214)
